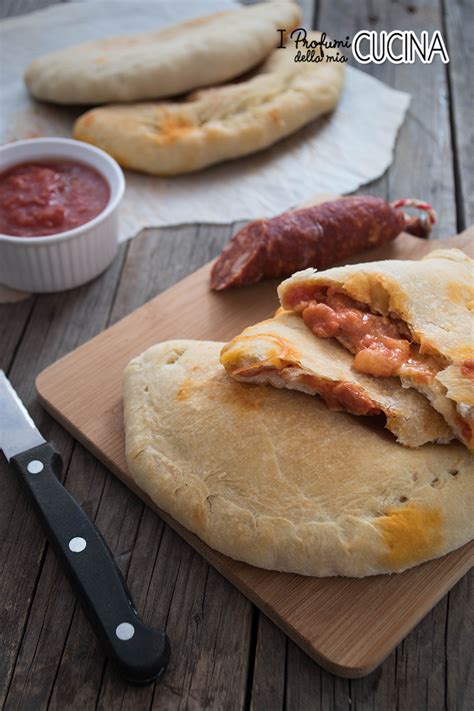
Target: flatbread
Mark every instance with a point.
(434, 297)
(202, 51)
(282, 351)
(276, 479)
(219, 123)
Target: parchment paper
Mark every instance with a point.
(336, 154)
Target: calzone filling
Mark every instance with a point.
(336, 395)
(382, 345)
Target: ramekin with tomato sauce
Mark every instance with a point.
(59, 202)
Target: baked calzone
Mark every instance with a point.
(411, 319)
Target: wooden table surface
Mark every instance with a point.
(226, 654)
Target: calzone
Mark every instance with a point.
(220, 122)
(276, 479)
(282, 351)
(165, 62)
(411, 319)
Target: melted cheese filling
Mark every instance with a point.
(382, 346)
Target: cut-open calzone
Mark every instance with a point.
(276, 479)
(412, 319)
(282, 351)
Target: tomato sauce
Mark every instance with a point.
(47, 197)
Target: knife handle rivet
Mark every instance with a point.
(35, 466)
(77, 544)
(125, 631)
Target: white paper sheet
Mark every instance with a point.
(339, 153)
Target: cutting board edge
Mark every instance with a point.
(147, 305)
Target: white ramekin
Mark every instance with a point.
(67, 259)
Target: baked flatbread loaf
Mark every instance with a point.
(276, 479)
(412, 319)
(219, 123)
(283, 351)
(202, 51)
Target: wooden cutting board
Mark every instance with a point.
(347, 625)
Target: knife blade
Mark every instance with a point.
(139, 652)
(17, 430)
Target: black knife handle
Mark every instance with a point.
(141, 653)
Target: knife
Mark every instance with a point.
(140, 652)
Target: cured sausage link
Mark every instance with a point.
(318, 236)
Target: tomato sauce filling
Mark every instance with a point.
(337, 396)
(47, 197)
(467, 368)
(381, 345)
(465, 428)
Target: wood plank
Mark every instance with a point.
(13, 320)
(268, 683)
(58, 324)
(302, 606)
(458, 654)
(459, 30)
(423, 158)
(310, 687)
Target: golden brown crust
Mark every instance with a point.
(276, 479)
